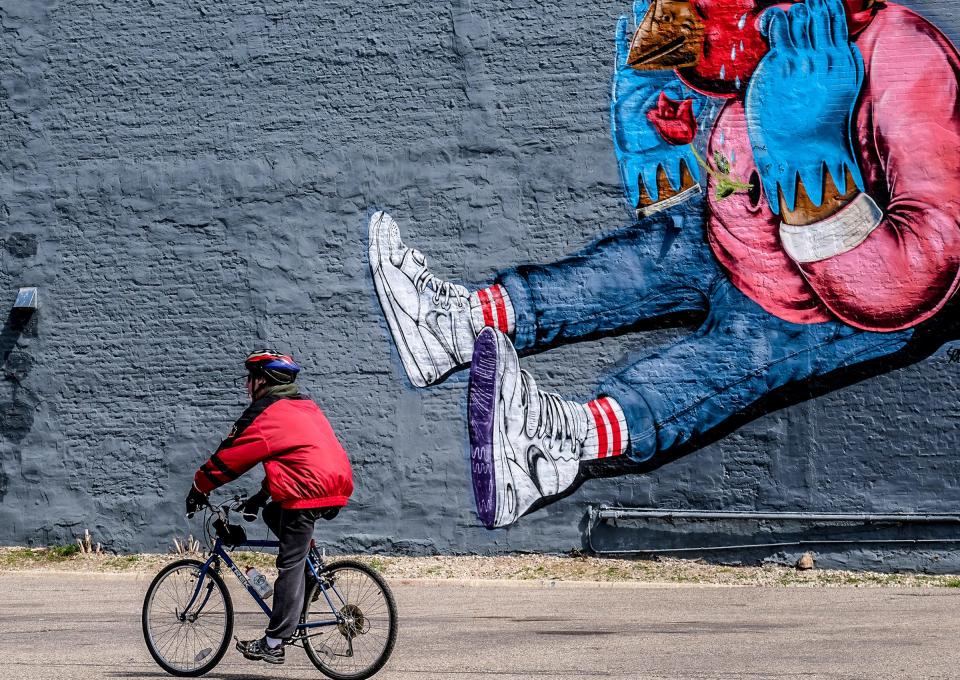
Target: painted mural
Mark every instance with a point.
(812, 240)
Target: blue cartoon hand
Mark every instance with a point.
(640, 148)
(801, 100)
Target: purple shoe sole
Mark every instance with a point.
(481, 403)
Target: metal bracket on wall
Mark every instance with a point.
(603, 513)
(27, 300)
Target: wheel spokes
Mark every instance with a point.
(185, 644)
(363, 634)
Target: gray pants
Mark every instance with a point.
(294, 529)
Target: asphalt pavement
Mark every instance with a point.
(79, 627)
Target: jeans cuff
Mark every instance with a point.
(640, 424)
(522, 301)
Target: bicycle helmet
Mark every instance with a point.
(277, 368)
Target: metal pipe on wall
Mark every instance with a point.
(604, 512)
(608, 512)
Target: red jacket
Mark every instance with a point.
(305, 465)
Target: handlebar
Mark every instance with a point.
(223, 510)
(216, 521)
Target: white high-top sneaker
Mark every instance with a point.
(526, 445)
(429, 318)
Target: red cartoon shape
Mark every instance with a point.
(674, 120)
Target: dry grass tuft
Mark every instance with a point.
(86, 545)
(188, 546)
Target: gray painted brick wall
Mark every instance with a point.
(186, 180)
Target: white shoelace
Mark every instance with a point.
(443, 291)
(557, 420)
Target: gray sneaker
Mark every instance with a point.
(259, 650)
(429, 318)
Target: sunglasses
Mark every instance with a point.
(241, 381)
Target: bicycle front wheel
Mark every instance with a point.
(187, 643)
(360, 644)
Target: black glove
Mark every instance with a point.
(254, 504)
(195, 501)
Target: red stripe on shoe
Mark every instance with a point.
(502, 324)
(614, 425)
(601, 429)
(485, 308)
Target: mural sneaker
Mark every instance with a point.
(526, 445)
(429, 318)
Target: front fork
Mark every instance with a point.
(186, 615)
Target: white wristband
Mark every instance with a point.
(838, 234)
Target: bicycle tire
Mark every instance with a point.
(337, 570)
(148, 632)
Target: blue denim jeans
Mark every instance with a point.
(660, 267)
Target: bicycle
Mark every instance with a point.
(188, 612)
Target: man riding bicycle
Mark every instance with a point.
(308, 476)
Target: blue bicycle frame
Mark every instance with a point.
(219, 553)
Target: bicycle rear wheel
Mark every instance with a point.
(187, 643)
(361, 643)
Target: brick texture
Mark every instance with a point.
(186, 180)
